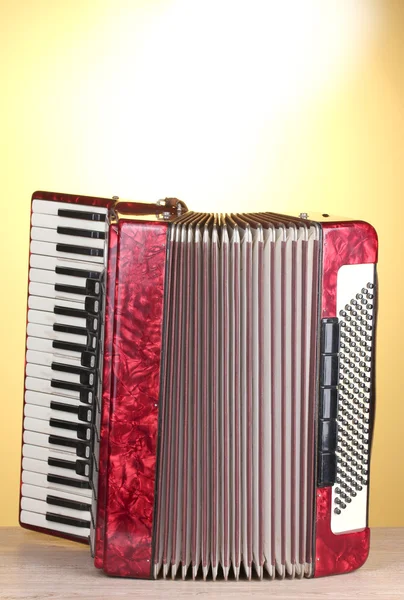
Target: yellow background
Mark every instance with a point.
(231, 106)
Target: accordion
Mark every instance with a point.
(199, 388)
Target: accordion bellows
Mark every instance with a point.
(221, 417)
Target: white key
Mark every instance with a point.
(51, 236)
(43, 385)
(38, 261)
(42, 345)
(40, 466)
(51, 278)
(41, 426)
(46, 358)
(49, 249)
(39, 399)
(48, 291)
(44, 454)
(40, 453)
(42, 372)
(53, 222)
(49, 207)
(42, 507)
(40, 493)
(46, 414)
(40, 480)
(37, 520)
(41, 439)
(46, 332)
(42, 317)
(48, 304)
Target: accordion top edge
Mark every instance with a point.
(199, 388)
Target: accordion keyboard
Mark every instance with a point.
(68, 257)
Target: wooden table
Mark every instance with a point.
(37, 566)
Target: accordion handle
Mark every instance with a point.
(162, 209)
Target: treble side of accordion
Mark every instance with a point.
(236, 403)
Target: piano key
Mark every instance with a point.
(60, 370)
(80, 232)
(69, 481)
(41, 426)
(55, 221)
(65, 350)
(72, 214)
(52, 278)
(88, 359)
(49, 207)
(47, 358)
(43, 372)
(50, 249)
(41, 466)
(92, 323)
(66, 499)
(45, 399)
(79, 331)
(38, 520)
(41, 234)
(47, 318)
(80, 250)
(46, 414)
(47, 290)
(49, 304)
(83, 413)
(76, 272)
(47, 332)
(55, 518)
(50, 263)
(82, 448)
(81, 467)
(44, 386)
(41, 480)
(62, 444)
(42, 507)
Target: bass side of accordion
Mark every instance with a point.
(224, 424)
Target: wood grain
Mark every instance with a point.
(34, 566)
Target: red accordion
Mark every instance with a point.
(199, 392)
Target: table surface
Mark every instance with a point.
(36, 566)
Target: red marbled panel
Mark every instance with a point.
(344, 243)
(134, 398)
(336, 553)
(73, 199)
(347, 243)
(106, 394)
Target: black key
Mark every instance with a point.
(81, 214)
(83, 432)
(92, 305)
(82, 448)
(67, 520)
(73, 504)
(86, 377)
(91, 288)
(86, 393)
(78, 273)
(92, 322)
(84, 413)
(88, 359)
(80, 467)
(84, 250)
(94, 235)
(78, 483)
(91, 339)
